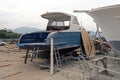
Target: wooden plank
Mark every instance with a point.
(88, 44)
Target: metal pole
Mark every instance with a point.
(51, 57)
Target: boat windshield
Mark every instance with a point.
(58, 25)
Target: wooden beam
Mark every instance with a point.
(88, 44)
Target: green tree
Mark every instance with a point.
(4, 34)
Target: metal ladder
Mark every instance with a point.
(57, 58)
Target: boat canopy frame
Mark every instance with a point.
(57, 18)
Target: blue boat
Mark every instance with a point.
(63, 28)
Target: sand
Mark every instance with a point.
(12, 67)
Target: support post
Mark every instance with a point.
(97, 70)
(104, 62)
(26, 56)
(51, 57)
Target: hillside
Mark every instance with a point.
(24, 29)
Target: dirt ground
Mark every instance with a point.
(12, 67)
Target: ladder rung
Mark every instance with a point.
(57, 57)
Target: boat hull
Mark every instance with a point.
(65, 41)
(108, 19)
(62, 51)
(116, 44)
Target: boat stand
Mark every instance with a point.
(26, 56)
(35, 53)
(55, 58)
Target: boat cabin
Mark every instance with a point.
(60, 21)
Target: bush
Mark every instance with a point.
(4, 34)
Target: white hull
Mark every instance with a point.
(108, 19)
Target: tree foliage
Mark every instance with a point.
(8, 34)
